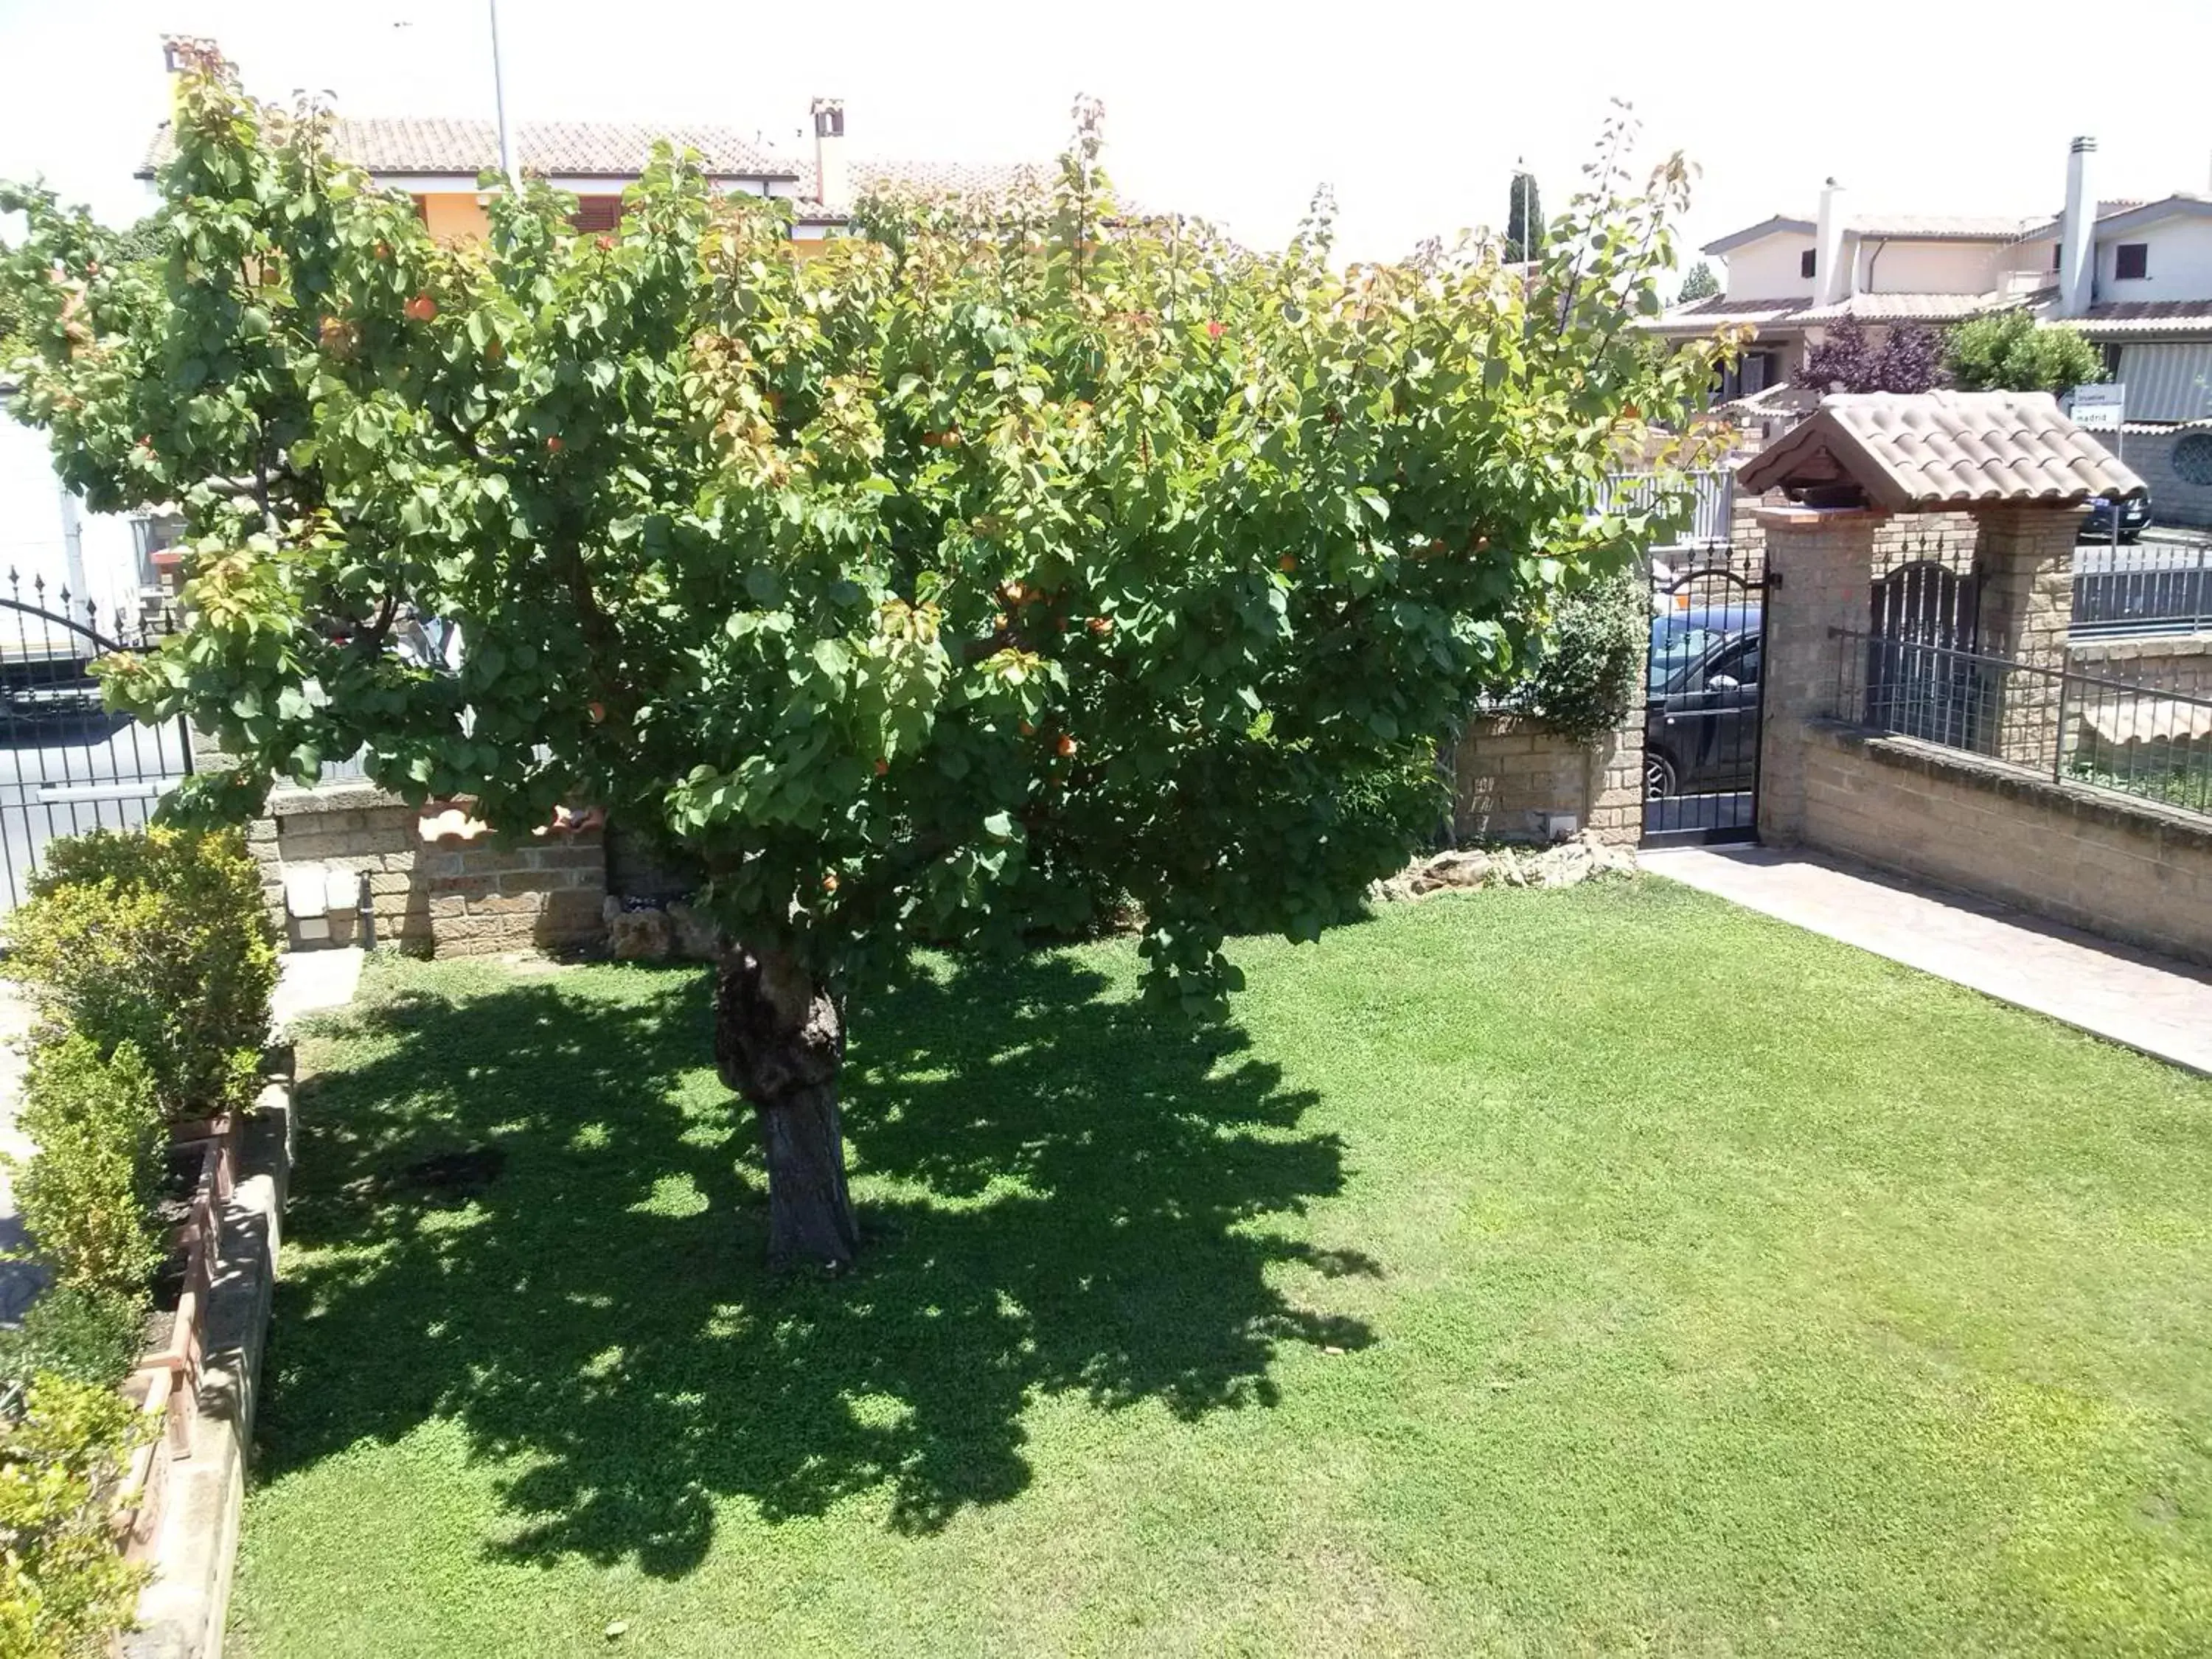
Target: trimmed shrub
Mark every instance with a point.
(76, 1332)
(156, 938)
(86, 1193)
(1588, 667)
(65, 1587)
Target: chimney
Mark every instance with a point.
(2077, 232)
(831, 185)
(1830, 281)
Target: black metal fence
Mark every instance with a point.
(2148, 588)
(66, 764)
(2140, 740)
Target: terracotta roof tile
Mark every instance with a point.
(1702, 316)
(1944, 449)
(2128, 317)
(1939, 227)
(434, 145)
(985, 182)
(1908, 308)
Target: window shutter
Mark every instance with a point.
(596, 214)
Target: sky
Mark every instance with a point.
(1416, 114)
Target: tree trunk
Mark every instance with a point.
(780, 1042)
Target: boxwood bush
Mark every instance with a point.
(64, 1587)
(86, 1193)
(76, 1332)
(156, 938)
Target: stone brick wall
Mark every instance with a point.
(1949, 539)
(2132, 870)
(1821, 562)
(2167, 662)
(448, 897)
(1510, 773)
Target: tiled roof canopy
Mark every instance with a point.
(434, 145)
(1910, 453)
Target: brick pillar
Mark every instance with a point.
(1820, 562)
(2025, 557)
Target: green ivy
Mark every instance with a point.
(1587, 669)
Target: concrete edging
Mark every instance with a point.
(182, 1612)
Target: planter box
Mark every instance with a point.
(227, 1238)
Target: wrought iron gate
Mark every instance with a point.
(66, 764)
(1921, 678)
(1704, 698)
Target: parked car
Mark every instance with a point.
(1701, 710)
(2135, 519)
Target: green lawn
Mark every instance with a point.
(1607, 1271)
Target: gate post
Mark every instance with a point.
(2024, 556)
(1820, 569)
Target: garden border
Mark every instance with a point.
(193, 1543)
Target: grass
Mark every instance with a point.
(1608, 1271)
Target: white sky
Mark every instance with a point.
(1414, 112)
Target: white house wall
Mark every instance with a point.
(2180, 261)
(1769, 268)
(1926, 267)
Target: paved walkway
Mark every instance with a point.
(2147, 1002)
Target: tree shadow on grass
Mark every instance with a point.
(1062, 1193)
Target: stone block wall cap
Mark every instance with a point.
(1793, 516)
(453, 824)
(348, 795)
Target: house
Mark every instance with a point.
(440, 161)
(2136, 277)
(1792, 278)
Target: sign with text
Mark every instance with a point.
(2098, 408)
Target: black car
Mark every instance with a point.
(2135, 519)
(1701, 715)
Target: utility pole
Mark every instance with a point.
(499, 100)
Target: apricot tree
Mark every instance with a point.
(1004, 568)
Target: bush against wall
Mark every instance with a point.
(2012, 352)
(65, 1587)
(86, 1194)
(1587, 672)
(156, 938)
